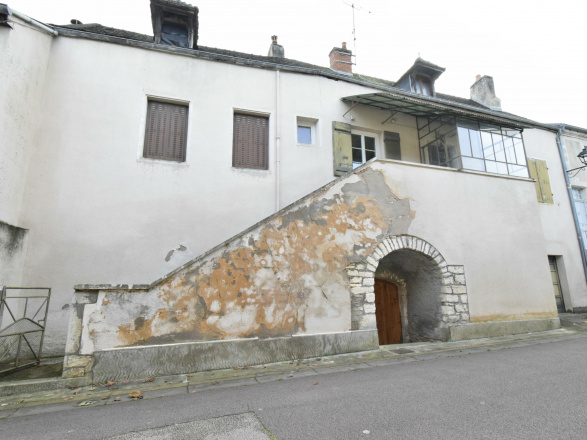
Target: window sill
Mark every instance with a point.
(308, 145)
(144, 160)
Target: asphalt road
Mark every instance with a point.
(529, 392)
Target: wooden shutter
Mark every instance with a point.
(342, 148)
(539, 172)
(166, 131)
(392, 146)
(250, 148)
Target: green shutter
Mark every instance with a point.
(392, 146)
(539, 172)
(342, 148)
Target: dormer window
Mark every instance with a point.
(422, 85)
(175, 23)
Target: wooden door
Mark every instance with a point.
(387, 313)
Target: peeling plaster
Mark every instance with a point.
(287, 276)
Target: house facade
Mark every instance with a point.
(132, 164)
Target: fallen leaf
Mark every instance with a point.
(117, 399)
(86, 403)
(481, 403)
(264, 367)
(189, 375)
(105, 398)
(73, 388)
(214, 383)
(135, 395)
(92, 389)
(150, 379)
(315, 383)
(235, 368)
(76, 392)
(126, 381)
(366, 431)
(110, 383)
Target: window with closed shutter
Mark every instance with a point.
(166, 131)
(250, 142)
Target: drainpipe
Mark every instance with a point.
(33, 22)
(561, 129)
(277, 142)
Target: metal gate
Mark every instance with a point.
(23, 315)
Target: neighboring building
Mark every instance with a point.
(125, 156)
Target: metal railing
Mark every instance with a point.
(22, 326)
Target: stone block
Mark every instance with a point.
(459, 289)
(456, 269)
(494, 329)
(447, 310)
(371, 268)
(370, 297)
(372, 262)
(448, 280)
(72, 361)
(465, 317)
(352, 273)
(446, 289)
(366, 274)
(460, 279)
(73, 372)
(450, 298)
(356, 280)
(359, 266)
(368, 322)
(368, 281)
(369, 308)
(461, 308)
(362, 289)
(378, 254)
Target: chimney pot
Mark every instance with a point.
(344, 45)
(275, 50)
(478, 77)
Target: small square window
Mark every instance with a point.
(304, 134)
(166, 131)
(306, 131)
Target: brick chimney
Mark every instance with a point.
(275, 50)
(483, 92)
(341, 59)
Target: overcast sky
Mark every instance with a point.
(535, 50)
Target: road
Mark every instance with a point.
(533, 392)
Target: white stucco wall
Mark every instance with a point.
(25, 54)
(557, 219)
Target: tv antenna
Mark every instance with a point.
(354, 7)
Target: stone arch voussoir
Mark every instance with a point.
(453, 294)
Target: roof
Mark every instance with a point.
(176, 3)
(94, 30)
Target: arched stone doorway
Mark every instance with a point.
(432, 294)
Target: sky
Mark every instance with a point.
(534, 50)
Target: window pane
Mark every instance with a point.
(498, 147)
(369, 144)
(491, 166)
(487, 146)
(304, 135)
(356, 140)
(518, 170)
(509, 149)
(464, 141)
(519, 147)
(475, 137)
(357, 155)
(473, 164)
(502, 168)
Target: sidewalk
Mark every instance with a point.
(22, 395)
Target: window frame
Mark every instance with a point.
(143, 139)
(312, 124)
(364, 134)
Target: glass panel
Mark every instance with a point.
(475, 137)
(433, 155)
(491, 166)
(464, 141)
(509, 149)
(357, 150)
(304, 135)
(502, 168)
(498, 147)
(518, 170)
(426, 89)
(487, 146)
(473, 164)
(357, 156)
(452, 156)
(519, 147)
(356, 141)
(369, 144)
(369, 155)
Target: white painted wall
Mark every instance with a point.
(25, 54)
(557, 219)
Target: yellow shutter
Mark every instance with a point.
(342, 148)
(539, 172)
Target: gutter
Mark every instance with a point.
(559, 143)
(32, 21)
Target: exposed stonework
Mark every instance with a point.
(453, 293)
